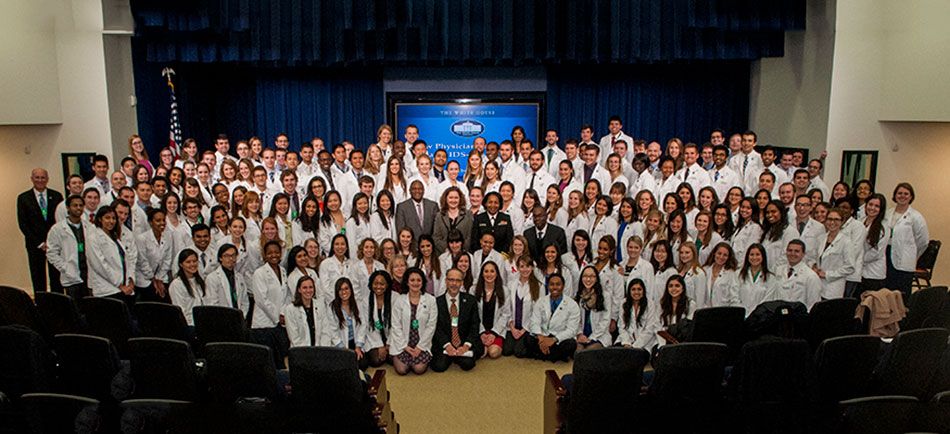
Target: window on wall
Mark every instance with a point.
(858, 165)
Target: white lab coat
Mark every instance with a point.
(218, 291)
(518, 289)
(837, 261)
(858, 234)
(659, 282)
(154, 258)
(643, 271)
(611, 281)
(690, 310)
(597, 229)
(331, 270)
(698, 177)
(563, 323)
(725, 290)
(664, 187)
(752, 291)
(909, 238)
(803, 285)
(727, 178)
(426, 314)
(542, 180)
(635, 228)
(298, 331)
(105, 264)
(696, 287)
(599, 322)
(340, 336)
(359, 277)
(356, 233)
(813, 236)
(379, 231)
(270, 295)
(63, 250)
(707, 249)
(645, 181)
(642, 335)
(502, 315)
(775, 250)
(747, 235)
(552, 163)
(874, 260)
(180, 297)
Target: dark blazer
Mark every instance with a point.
(552, 235)
(443, 225)
(502, 230)
(406, 216)
(30, 218)
(468, 324)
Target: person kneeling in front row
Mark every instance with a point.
(554, 323)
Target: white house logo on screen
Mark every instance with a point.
(468, 128)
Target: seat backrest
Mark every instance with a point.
(54, 413)
(928, 258)
(160, 416)
(219, 324)
(786, 319)
(910, 362)
(108, 318)
(877, 415)
(163, 369)
(832, 318)
(161, 320)
(722, 324)
(844, 366)
(689, 373)
(26, 363)
(606, 387)
(239, 370)
(774, 370)
(58, 312)
(16, 307)
(326, 381)
(87, 365)
(924, 304)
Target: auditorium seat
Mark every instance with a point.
(723, 324)
(160, 416)
(242, 387)
(26, 362)
(17, 308)
(218, 324)
(687, 385)
(327, 394)
(604, 394)
(163, 369)
(934, 416)
(844, 367)
(832, 318)
(909, 363)
(877, 415)
(51, 413)
(161, 320)
(87, 365)
(110, 319)
(59, 313)
(924, 304)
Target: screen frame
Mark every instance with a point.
(538, 98)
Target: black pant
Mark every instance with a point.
(898, 280)
(129, 300)
(78, 291)
(148, 293)
(868, 285)
(441, 362)
(514, 347)
(38, 269)
(851, 288)
(275, 338)
(561, 351)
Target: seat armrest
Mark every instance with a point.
(555, 399)
(377, 387)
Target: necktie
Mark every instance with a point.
(686, 174)
(203, 261)
(540, 235)
(717, 175)
(501, 169)
(519, 308)
(533, 175)
(43, 205)
(92, 217)
(745, 163)
(329, 180)
(454, 312)
(128, 223)
(790, 269)
(550, 155)
(419, 213)
(801, 228)
(271, 176)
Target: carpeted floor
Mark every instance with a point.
(503, 395)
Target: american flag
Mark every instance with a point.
(174, 127)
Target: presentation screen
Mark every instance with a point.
(453, 122)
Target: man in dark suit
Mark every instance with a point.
(416, 213)
(492, 221)
(543, 234)
(35, 210)
(456, 337)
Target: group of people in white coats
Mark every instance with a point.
(534, 252)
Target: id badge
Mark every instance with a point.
(82, 247)
(414, 324)
(378, 325)
(455, 321)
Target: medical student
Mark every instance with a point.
(554, 324)
(378, 308)
(675, 306)
(413, 325)
(637, 325)
(836, 259)
(344, 324)
(298, 267)
(201, 244)
(661, 258)
(908, 239)
(154, 259)
(524, 290)
(66, 248)
(595, 311)
(721, 276)
(874, 268)
(270, 289)
(226, 286)
(856, 232)
(334, 267)
(111, 267)
(776, 233)
(748, 231)
(305, 317)
(358, 228)
(796, 280)
(187, 290)
(755, 282)
(693, 274)
(810, 231)
(636, 267)
(493, 309)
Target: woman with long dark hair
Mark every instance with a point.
(344, 324)
(414, 320)
(637, 325)
(492, 309)
(188, 288)
(523, 292)
(755, 282)
(874, 267)
(594, 330)
(305, 316)
(675, 305)
(383, 220)
(776, 234)
(379, 318)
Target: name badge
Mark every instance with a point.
(82, 247)
(414, 324)
(455, 321)
(378, 325)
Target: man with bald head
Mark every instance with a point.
(35, 210)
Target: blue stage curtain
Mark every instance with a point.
(243, 102)
(462, 32)
(655, 102)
